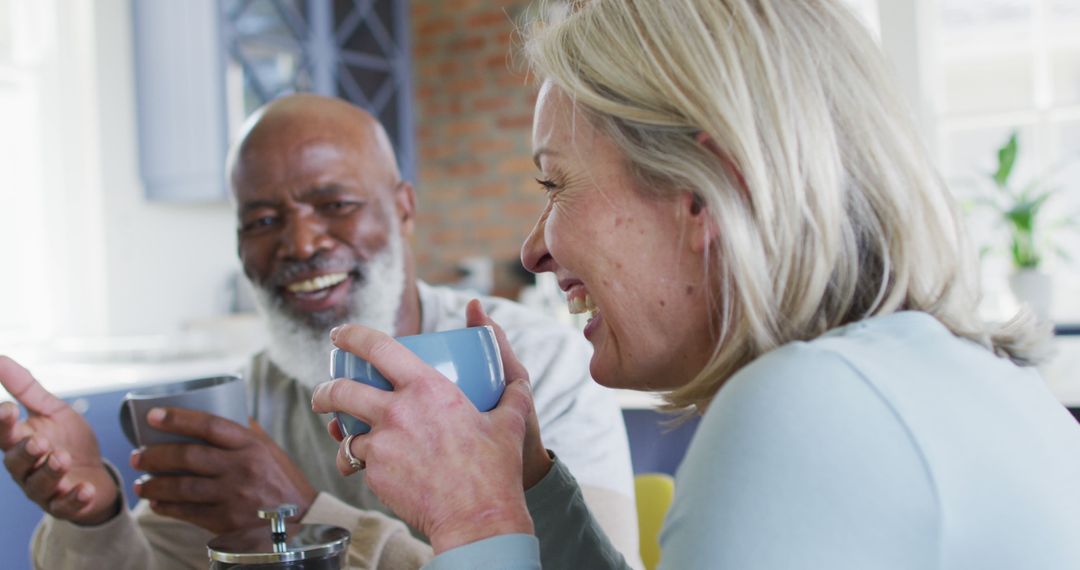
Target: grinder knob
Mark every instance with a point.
(277, 516)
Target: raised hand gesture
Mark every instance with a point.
(53, 455)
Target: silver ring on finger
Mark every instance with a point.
(358, 464)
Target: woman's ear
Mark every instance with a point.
(702, 224)
(701, 228)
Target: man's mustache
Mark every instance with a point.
(290, 271)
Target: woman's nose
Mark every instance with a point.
(534, 252)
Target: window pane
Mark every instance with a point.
(961, 15)
(1064, 9)
(980, 28)
(6, 32)
(986, 55)
(994, 82)
(1063, 21)
(1065, 74)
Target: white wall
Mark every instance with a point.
(83, 252)
(166, 263)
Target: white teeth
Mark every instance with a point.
(317, 283)
(578, 305)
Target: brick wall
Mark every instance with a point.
(473, 110)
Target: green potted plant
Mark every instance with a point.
(1020, 210)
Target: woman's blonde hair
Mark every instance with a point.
(827, 206)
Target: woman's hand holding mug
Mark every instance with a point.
(449, 470)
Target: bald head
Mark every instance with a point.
(295, 121)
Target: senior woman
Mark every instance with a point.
(737, 197)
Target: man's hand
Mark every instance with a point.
(219, 486)
(53, 455)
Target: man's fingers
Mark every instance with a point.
(354, 398)
(212, 429)
(179, 457)
(24, 456)
(47, 481)
(12, 431)
(9, 414)
(178, 489)
(398, 364)
(22, 386)
(475, 317)
(258, 429)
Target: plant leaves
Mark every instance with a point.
(1006, 160)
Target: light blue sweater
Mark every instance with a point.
(888, 443)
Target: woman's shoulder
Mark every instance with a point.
(874, 350)
(875, 375)
(803, 440)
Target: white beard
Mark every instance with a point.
(303, 352)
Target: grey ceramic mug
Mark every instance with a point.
(223, 396)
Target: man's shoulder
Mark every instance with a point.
(260, 372)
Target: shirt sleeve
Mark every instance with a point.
(378, 541)
(582, 423)
(135, 540)
(560, 517)
(62, 545)
(504, 552)
(800, 462)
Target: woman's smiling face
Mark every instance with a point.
(635, 262)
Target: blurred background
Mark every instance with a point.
(117, 241)
(115, 117)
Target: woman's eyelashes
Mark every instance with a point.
(548, 184)
(553, 183)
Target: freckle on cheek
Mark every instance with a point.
(689, 289)
(618, 265)
(662, 303)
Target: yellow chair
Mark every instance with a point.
(654, 493)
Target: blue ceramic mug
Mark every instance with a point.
(467, 357)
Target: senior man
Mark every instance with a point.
(324, 220)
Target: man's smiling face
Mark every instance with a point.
(315, 205)
(323, 220)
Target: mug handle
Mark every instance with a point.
(126, 422)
